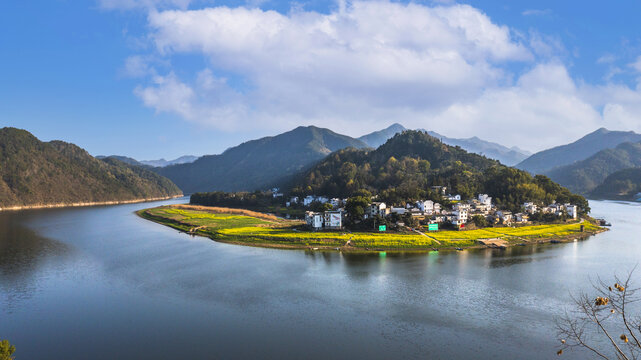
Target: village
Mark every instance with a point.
(460, 215)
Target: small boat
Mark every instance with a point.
(459, 249)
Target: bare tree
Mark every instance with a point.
(602, 322)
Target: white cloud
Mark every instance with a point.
(368, 64)
(374, 58)
(542, 109)
(637, 64)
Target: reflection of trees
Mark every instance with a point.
(22, 252)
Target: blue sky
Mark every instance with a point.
(164, 78)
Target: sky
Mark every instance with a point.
(164, 78)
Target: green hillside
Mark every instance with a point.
(586, 175)
(624, 185)
(410, 163)
(259, 164)
(33, 172)
(601, 139)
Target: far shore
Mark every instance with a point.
(84, 204)
(211, 223)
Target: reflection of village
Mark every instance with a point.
(428, 212)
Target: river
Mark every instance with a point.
(101, 283)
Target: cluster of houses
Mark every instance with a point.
(432, 212)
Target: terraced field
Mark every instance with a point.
(244, 227)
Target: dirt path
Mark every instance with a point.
(427, 236)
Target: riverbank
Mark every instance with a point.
(240, 227)
(84, 204)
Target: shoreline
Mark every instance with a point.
(86, 204)
(478, 244)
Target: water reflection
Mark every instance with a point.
(22, 253)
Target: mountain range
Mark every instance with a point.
(507, 156)
(601, 139)
(623, 184)
(34, 173)
(585, 175)
(260, 163)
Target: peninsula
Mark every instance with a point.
(244, 227)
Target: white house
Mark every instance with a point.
(314, 219)
(333, 219)
(521, 217)
(504, 215)
(398, 210)
(425, 206)
(456, 197)
(461, 206)
(335, 202)
(572, 210)
(437, 208)
(530, 207)
(308, 200)
(485, 199)
(460, 216)
(377, 208)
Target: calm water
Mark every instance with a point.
(101, 283)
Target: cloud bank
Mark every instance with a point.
(449, 68)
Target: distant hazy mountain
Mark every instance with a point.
(258, 164)
(378, 138)
(581, 149)
(162, 162)
(125, 159)
(583, 176)
(507, 156)
(623, 185)
(33, 172)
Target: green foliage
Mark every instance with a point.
(6, 350)
(584, 176)
(403, 170)
(35, 172)
(479, 221)
(356, 206)
(259, 164)
(623, 184)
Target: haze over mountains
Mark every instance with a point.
(507, 156)
(33, 173)
(261, 163)
(585, 175)
(544, 161)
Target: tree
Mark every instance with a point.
(479, 221)
(6, 350)
(356, 206)
(602, 323)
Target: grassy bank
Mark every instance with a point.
(258, 229)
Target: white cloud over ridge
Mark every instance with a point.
(368, 64)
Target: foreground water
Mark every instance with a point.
(101, 283)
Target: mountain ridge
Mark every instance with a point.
(36, 172)
(245, 165)
(581, 149)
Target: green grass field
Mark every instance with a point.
(252, 230)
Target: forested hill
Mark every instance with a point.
(601, 139)
(33, 172)
(584, 176)
(623, 185)
(410, 163)
(259, 164)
